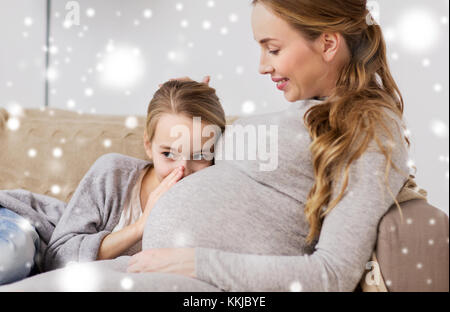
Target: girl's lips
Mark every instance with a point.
(282, 85)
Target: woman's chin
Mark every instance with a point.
(289, 97)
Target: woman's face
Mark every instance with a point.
(183, 149)
(285, 54)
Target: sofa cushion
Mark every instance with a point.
(413, 252)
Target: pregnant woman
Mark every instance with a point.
(311, 223)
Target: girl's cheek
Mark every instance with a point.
(165, 170)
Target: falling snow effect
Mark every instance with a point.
(121, 65)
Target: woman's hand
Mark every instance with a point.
(167, 260)
(163, 187)
(206, 79)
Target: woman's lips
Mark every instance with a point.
(282, 85)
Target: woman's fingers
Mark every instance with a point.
(206, 79)
(185, 78)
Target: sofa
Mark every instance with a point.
(48, 151)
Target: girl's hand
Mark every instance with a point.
(163, 187)
(167, 260)
(206, 79)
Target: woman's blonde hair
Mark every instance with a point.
(188, 98)
(348, 120)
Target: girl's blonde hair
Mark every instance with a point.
(343, 126)
(188, 98)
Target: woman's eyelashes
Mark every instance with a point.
(274, 52)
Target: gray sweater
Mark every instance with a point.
(247, 225)
(73, 231)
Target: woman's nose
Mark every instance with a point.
(265, 69)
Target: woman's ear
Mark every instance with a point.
(330, 45)
(147, 146)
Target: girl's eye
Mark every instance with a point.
(168, 155)
(275, 52)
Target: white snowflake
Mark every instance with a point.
(184, 23)
(28, 21)
(77, 277)
(147, 13)
(56, 189)
(90, 12)
(57, 152)
(179, 6)
(248, 107)
(13, 124)
(131, 122)
(206, 25)
(88, 92)
(126, 283)
(32, 153)
(107, 143)
(426, 62)
(437, 87)
(71, 103)
(295, 287)
(51, 74)
(233, 17)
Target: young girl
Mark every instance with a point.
(107, 213)
(174, 105)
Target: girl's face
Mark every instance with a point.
(169, 152)
(308, 67)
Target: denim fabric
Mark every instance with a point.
(19, 243)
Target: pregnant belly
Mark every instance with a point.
(221, 207)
